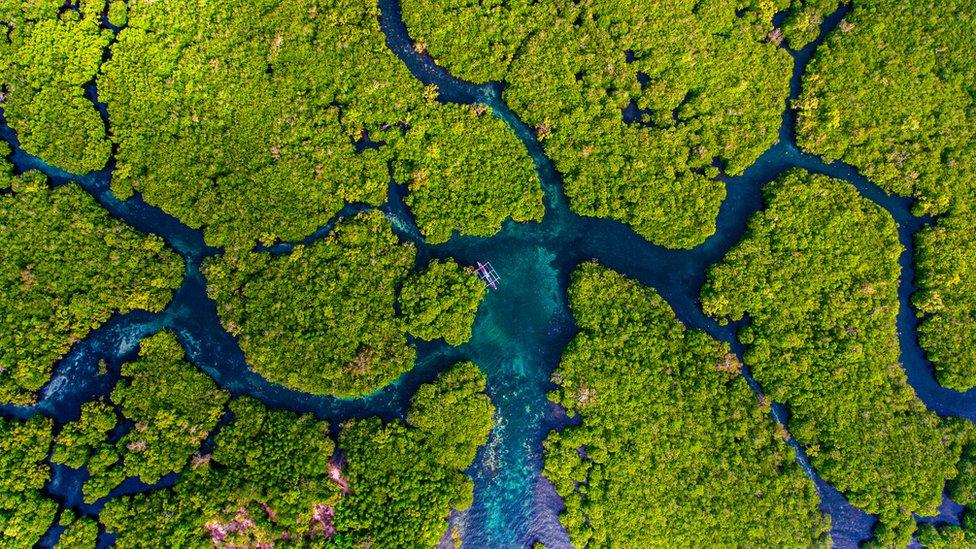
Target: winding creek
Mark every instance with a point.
(520, 329)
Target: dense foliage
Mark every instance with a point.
(406, 477)
(67, 266)
(25, 514)
(441, 302)
(467, 172)
(817, 274)
(892, 93)
(635, 102)
(320, 319)
(47, 57)
(118, 13)
(82, 443)
(962, 490)
(169, 407)
(672, 448)
(174, 407)
(80, 533)
(802, 24)
(222, 109)
(267, 474)
(269, 479)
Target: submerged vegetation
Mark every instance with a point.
(892, 94)
(817, 275)
(67, 267)
(672, 448)
(270, 480)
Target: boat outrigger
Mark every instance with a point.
(487, 273)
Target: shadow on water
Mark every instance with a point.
(520, 331)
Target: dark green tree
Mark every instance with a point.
(441, 302)
(672, 448)
(67, 267)
(817, 274)
(270, 481)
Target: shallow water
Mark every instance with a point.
(520, 329)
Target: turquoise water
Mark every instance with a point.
(520, 329)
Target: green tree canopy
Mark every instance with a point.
(261, 484)
(25, 514)
(406, 477)
(81, 533)
(892, 94)
(67, 266)
(672, 448)
(320, 319)
(817, 273)
(220, 110)
(802, 24)
(441, 302)
(467, 172)
(47, 58)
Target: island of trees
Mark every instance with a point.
(25, 514)
(322, 318)
(67, 267)
(892, 94)
(268, 476)
(673, 448)
(635, 102)
(817, 275)
(441, 302)
(456, 154)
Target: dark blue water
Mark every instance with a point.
(520, 330)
